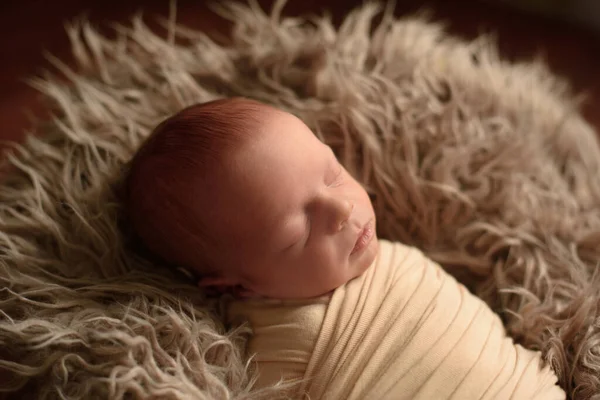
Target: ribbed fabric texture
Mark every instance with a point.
(284, 335)
(404, 330)
(408, 330)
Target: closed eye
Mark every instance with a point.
(337, 177)
(308, 229)
(302, 239)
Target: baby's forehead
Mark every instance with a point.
(266, 175)
(274, 182)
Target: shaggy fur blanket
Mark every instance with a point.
(485, 166)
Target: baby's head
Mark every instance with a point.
(246, 195)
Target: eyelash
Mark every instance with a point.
(335, 181)
(337, 176)
(308, 228)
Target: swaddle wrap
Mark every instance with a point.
(406, 329)
(284, 335)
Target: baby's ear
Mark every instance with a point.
(244, 293)
(220, 282)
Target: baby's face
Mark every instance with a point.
(297, 223)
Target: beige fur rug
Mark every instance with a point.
(486, 166)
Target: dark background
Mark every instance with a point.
(29, 28)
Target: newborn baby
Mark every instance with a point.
(247, 198)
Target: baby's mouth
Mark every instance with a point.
(364, 237)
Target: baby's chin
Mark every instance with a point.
(367, 258)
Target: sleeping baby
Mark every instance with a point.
(247, 198)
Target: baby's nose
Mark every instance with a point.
(342, 211)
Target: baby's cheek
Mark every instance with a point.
(339, 270)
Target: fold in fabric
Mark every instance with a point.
(284, 333)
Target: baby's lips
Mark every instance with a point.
(364, 236)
